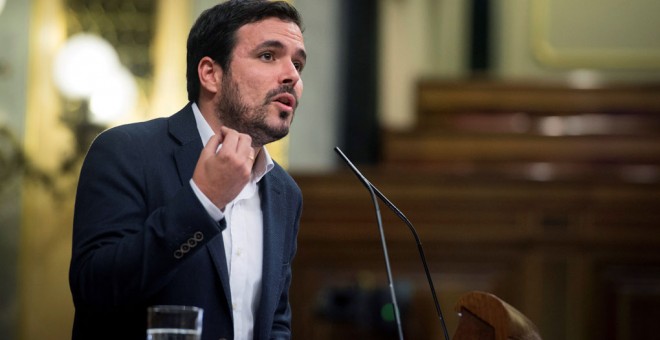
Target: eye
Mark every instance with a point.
(299, 66)
(267, 56)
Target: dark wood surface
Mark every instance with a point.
(566, 228)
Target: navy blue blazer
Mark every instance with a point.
(142, 238)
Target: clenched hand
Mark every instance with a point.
(221, 176)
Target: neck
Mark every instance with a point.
(207, 108)
(208, 112)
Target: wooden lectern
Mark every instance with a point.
(484, 316)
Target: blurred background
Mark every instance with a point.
(519, 136)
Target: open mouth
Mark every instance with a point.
(286, 99)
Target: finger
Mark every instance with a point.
(244, 146)
(212, 145)
(252, 155)
(230, 142)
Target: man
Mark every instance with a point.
(190, 209)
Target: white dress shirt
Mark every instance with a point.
(243, 237)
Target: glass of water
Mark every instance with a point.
(174, 323)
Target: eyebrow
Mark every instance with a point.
(300, 53)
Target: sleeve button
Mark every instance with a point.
(198, 236)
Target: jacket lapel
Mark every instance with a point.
(273, 207)
(216, 248)
(183, 128)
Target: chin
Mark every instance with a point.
(283, 120)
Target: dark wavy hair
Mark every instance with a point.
(214, 33)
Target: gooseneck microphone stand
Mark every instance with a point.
(388, 268)
(375, 192)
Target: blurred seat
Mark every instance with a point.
(484, 316)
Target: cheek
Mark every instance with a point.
(250, 90)
(299, 88)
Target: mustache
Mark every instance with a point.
(282, 89)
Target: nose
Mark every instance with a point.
(290, 74)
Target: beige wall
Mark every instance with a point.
(538, 40)
(418, 38)
(615, 39)
(13, 66)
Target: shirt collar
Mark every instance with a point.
(262, 165)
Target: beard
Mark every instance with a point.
(233, 112)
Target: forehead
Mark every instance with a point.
(253, 34)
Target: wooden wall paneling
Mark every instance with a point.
(564, 228)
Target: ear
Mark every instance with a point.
(210, 75)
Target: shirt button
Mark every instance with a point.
(239, 251)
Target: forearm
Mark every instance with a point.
(131, 217)
(125, 261)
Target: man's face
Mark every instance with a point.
(261, 88)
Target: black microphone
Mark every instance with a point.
(374, 191)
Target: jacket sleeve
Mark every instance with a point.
(124, 249)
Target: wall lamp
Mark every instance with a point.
(97, 90)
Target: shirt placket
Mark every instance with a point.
(238, 274)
